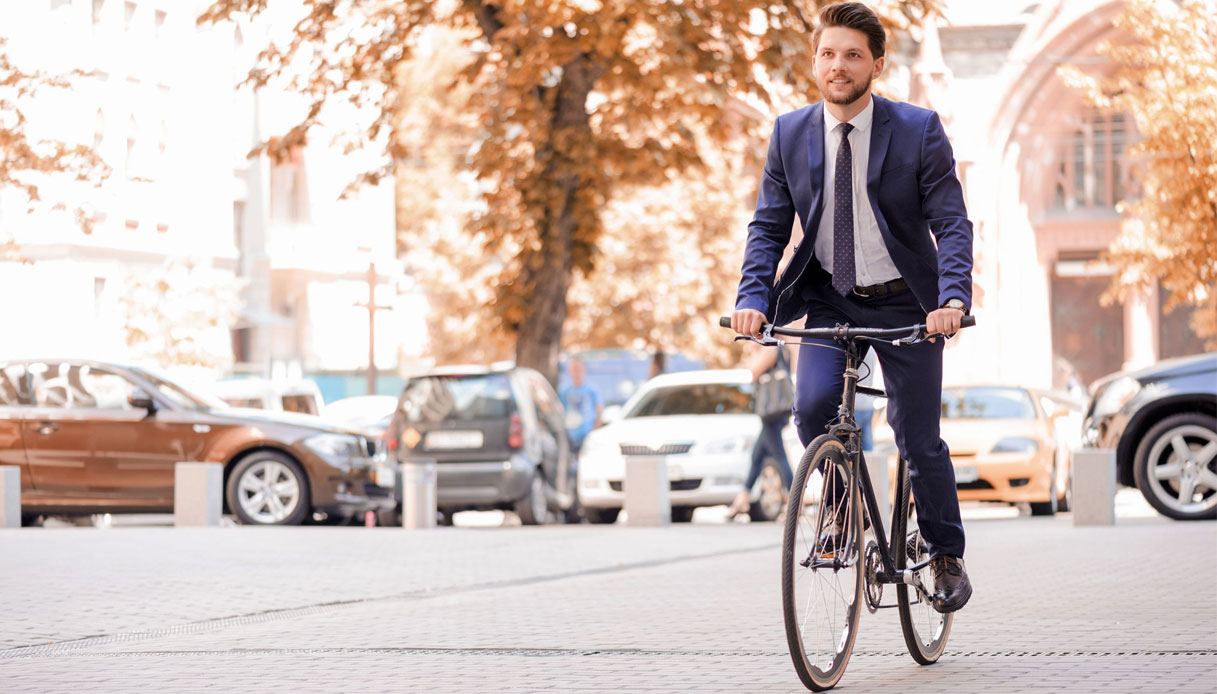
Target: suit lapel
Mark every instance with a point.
(815, 168)
(881, 135)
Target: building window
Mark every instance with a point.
(159, 24)
(99, 7)
(129, 162)
(1092, 164)
(99, 131)
(128, 16)
(289, 189)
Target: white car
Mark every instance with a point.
(703, 423)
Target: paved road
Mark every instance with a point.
(581, 608)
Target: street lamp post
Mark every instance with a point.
(372, 307)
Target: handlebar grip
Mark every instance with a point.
(967, 322)
(725, 321)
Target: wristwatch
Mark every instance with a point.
(955, 304)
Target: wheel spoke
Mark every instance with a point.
(1170, 471)
(1205, 455)
(1187, 487)
(287, 487)
(1208, 478)
(1180, 447)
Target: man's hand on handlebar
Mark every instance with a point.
(944, 320)
(748, 321)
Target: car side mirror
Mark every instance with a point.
(141, 401)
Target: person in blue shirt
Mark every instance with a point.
(582, 403)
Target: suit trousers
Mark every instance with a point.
(912, 375)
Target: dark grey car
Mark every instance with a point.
(497, 437)
(1162, 424)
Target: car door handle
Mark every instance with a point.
(47, 428)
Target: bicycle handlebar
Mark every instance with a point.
(847, 332)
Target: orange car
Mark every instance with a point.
(1008, 444)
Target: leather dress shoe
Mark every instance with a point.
(951, 585)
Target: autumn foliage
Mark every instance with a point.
(1166, 78)
(572, 104)
(27, 163)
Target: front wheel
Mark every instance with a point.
(268, 488)
(1176, 466)
(925, 629)
(822, 571)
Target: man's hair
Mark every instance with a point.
(856, 16)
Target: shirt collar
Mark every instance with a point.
(861, 122)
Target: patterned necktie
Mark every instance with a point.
(843, 274)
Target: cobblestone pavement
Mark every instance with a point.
(581, 608)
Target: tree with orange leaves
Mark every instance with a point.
(573, 101)
(1166, 78)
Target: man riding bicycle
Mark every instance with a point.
(871, 179)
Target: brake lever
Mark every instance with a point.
(916, 338)
(766, 339)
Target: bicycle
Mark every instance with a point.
(820, 570)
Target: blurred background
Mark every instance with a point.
(349, 191)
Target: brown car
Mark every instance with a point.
(92, 437)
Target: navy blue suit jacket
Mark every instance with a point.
(913, 191)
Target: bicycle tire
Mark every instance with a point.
(925, 629)
(831, 635)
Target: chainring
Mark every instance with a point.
(873, 588)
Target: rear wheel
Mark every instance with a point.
(533, 507)
(925, 629)
(769, 505)
(268, 488)
(822, 576)
(1176, 466)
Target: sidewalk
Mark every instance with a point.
(581, 608)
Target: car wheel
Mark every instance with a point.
(602, 516)
(1049, 507)
(268, 488)
(769, 506)
(533, 508)
(683, 514)
(32, 520)
(1065, 503)
(1176, 466)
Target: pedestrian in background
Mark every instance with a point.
(774, 396)
(583, 405)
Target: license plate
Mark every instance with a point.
(448, 440)
(966, 473)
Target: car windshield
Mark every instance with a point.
(695, 398)
(473, 397)
(987, 403)
(181, 397)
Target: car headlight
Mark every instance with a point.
(733, 444)
(337, 446)
(1016, 444)
(1114, 395)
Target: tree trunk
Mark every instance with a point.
(549, 275)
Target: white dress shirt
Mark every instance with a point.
(872, 263)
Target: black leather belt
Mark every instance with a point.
(896, 285)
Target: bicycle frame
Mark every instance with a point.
(846, 430)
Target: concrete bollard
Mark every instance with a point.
(10, 496)
(418, 502)
(198, 494)
(1094, 486)
(647, 501)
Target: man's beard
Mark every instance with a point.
(850, 96)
